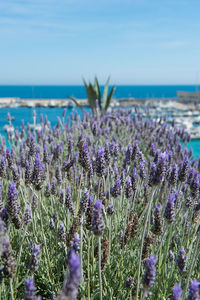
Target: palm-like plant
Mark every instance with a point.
(94, 94)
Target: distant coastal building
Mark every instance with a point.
(188, 97)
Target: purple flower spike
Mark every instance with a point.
(70, 289)
(116, 189)
(177, 291)
(150, 272)
(194, 290)
(170, 208)
(181, 261)
(33, 265)
(100, 162)
(13, 207)
(30, 290)
(97, 219)
(129, 283)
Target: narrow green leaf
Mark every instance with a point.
(109, 98)
(105, 92)
(98, 92)
(76, 102)
(92, 96)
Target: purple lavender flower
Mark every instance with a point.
(116, 188)
(3, 167)
(142, 170)
(61, 232)
(134, 179)
(100, 162)
(110, 210)
(75, 244)
(157, 220)
(97, 219)
(170, 208)
(184, 170)
(128, 188)
(107, 153)
(47, 192)
(58, 175)
(194, 290)
(68, 201)
(61, 199)
(135, 151)
(54, 187)
(177, 291)
(83, 203)
(129, 283)
(30, 290)
(13, 207)
(181, 260)
(27, 215)
(33, 265)
(173, 175)
(27, 173)
(84, 158)
(150, 272)
(70, 288)
(38, 173)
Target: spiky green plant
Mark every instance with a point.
(94, 94)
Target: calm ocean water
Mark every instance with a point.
(62, 92)
(78, 91)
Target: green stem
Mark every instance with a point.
(88, 268)
(11, 289)
(100, 277)
(191, 264)
(142, 243)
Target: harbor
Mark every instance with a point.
(183, 109)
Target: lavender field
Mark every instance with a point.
(103, 206)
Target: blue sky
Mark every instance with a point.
(133, 41)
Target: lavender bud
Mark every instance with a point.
(194, 290)
(83, 203)
(75, 244)
(68, 201)
(27, 215)
(129, 283)
(61, 232)
(61, 197)
(170, 209)
(134, 179)
(177, 291)
(181, 260)
(150, 272)
(110, 210)
(47, 192)
(33, 265)
(30, 290)
(157, 220)
(97, 220)
(3, 167)
(184, 170)
(70, 289)
(116, 189)
(53, 187)
(100, 162)
(128, 188)
(27, 173)
(13, 207)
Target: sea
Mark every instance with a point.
(79, 92)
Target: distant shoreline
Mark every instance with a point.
(130, 101)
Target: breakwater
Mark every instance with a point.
(19, 102)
